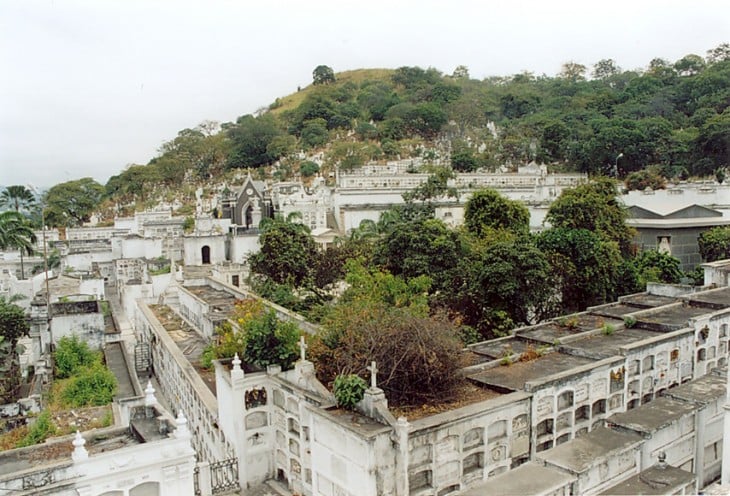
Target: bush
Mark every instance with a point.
(349, 390)
(71, 355)
(39, 431)
(270, 341)
(308, 168)
(91, 386)
(629, 322)
(419, 357)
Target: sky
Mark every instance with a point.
(89, 87)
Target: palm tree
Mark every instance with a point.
(16, 232)
(18, 197)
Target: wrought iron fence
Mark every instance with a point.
(224, 476)
(196, 482)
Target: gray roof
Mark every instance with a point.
(581, 453)
(653, 416)
(529, 478)
(654, 480)
(703, 390)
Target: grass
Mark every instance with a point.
(357, 76)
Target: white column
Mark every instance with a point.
(726, 435)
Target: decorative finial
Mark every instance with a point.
(149, 395)
(80, 453)
(181, 423)
(236, 362)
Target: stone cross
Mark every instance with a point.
(373, 375)
(302, 348)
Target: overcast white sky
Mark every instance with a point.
(88, 87)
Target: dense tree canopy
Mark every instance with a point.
(715, 244)
(71, 203)
(487, 210)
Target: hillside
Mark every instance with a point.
(671, 117)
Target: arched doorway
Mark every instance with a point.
(249, 217)
(205, 252)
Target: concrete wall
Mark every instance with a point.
(134, 247)
(683, 243)
(193, 246)
(89, 327)
(468, 445)
(242, 246)
(183, 387)
(574, 402)
(83, 261)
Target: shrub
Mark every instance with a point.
(91, 386)
(418, 356)
(349, 390)
(71, 355)
(39, 431)
(608, 329)
(270, 341)
(308, 168)
(629, 322)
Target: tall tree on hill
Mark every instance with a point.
(323, 74)
(71, 203)
(250, 137)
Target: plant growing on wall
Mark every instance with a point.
(349, 390)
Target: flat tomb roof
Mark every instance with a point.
(654, 480)
(581, 453)
(528, 478)
(515, 375)
(654, 415)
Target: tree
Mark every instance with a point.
(13, 326)
(323, 74)
(713, 142)
(314, 133)
(16, 232)
(720, 53)
(714, 244)
(646, 178)
(585, 266)
(384, 318)
(488, 210)
(17, 197)
(287, 252)
(656, 266)
(689, 65)
(605, 68)
(250, 138)
(573, 71)
(71, 203)
(461, 71)
(422, 247)
(435, 187)
(270, 341)
(509, 283)
(593, 207)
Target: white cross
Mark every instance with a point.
(302, 348)
(373, 375)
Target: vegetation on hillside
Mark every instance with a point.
(670, 115)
